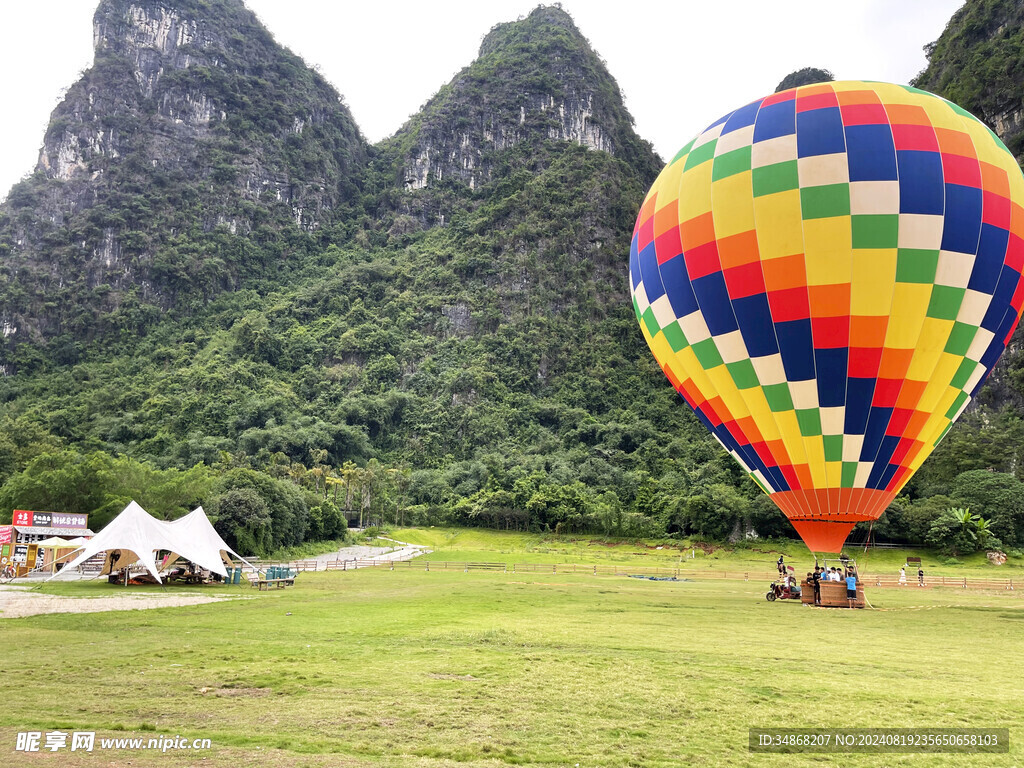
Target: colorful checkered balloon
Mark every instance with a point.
(827, 276)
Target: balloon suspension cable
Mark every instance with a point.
(867, 541)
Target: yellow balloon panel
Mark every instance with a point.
(826, 276)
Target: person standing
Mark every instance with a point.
(920, 576)
(903, 576)
(816, 585)
(781, 566)
(851, 587)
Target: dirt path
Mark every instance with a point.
(401, 551)
(17, 602)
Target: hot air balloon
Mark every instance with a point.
(827, 276)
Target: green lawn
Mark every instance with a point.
(408, 668)
(473, 544)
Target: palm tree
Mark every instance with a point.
(370, 474)
(279, 464)
(347, 471)
(986, 537)
(402, 477)
(317, 473)
(333, 478)
(320, 468)
(965, 518)
(297, 472)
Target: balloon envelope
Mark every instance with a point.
(826, 276)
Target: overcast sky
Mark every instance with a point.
(680, 65)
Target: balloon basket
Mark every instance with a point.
(833, 593)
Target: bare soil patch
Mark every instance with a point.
(16, 603)
(234, 693)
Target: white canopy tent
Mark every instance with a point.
(54, 542)
(205, 546)
(135, 536)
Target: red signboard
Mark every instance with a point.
(24, 517)
(5, 534)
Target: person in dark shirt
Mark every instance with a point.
(816, 585)
(920, 577)
(781, 566)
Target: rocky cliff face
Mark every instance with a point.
(978, 63)
(155, 38)
(188, 77)
(466, 154)
(536, 79)
(496, 151)
(192, 120)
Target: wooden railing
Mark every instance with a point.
(869, 580)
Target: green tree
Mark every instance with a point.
(241, 516)
(289, 512)
(954, 532)
(920, 515)
(996, 496)
(805, 76)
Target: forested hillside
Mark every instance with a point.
(195, 156)
(214, 291)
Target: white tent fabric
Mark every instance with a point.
(137, 536)
(207, 548)
(133, 535)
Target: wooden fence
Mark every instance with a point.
(421, 564)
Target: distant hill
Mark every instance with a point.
(450, 306)
(213, 286)
(196, 155)
(978, 63)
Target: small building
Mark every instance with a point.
(19, 542)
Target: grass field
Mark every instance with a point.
(470, 544)
(408, 668)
